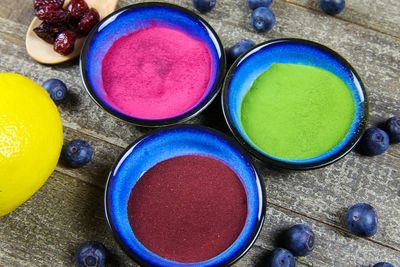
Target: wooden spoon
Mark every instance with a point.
(43, 52)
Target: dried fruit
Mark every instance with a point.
(62, 26)
(73, 24)
(52, 14)
(48, 32)
(50, 10)
(65, 43)
(78, 8)
(41, 3)
(89, 20)
(45, 33)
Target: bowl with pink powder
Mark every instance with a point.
(153, 64)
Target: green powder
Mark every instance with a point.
(297, 111)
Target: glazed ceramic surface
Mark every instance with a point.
(169, 143)
(292, 51)
(136, 17)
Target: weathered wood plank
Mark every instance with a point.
(17, 10)
(320, 195)
(384, 90)
(325, 194)
(47, 229)
(333, 246)
(375, 56)
(382, 16)
(96, 172)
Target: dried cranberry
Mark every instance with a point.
(73, 24)
(89, 20)
(50, 10)
(44, 32)
(48, 32)
(78, 8)
(65, 43)
(41, 3)
(52, 14)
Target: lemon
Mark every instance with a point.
(30, 139)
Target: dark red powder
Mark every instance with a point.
(156, 72)
(188, 208)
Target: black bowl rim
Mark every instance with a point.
(280, 164)
(257, 228)
(211, 95)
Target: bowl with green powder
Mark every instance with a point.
(295, 104)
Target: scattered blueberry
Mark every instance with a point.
(332, 7)
(374, 142)
(204, 6)
(262, 19)
(91, 254)
(362, 220)
(281, 257)
(57, 89)
(78, 153)
(383, 264)
(239, 48)
(392, 127)
(299, 239)
(253, 4)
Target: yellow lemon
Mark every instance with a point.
(30, 139)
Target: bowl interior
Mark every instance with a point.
(290, 51)
(170, 143)
(141, 16)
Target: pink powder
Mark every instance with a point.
(156, 73)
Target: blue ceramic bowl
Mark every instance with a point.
(292, 51)
(136, 17)
(169, 143)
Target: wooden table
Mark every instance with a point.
(68, 210)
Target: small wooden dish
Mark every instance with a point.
(44, 53)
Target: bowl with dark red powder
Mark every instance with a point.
(153, 64)
(185, 196)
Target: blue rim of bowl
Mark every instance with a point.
(194, 111)
(272, 161)
(247, 240)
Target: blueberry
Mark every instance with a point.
(57, 89)
(78, 153)
(332, 7)
(204, 6)
(262, 19)
(281, 257)
(392, 127)
(362, 220)
(239, 48)
(91, 253)
(374, 142)
(299, 239)
(383, 264)
(253, 4)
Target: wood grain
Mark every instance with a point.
(382, 16)
(68, 210)
(47, 229)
